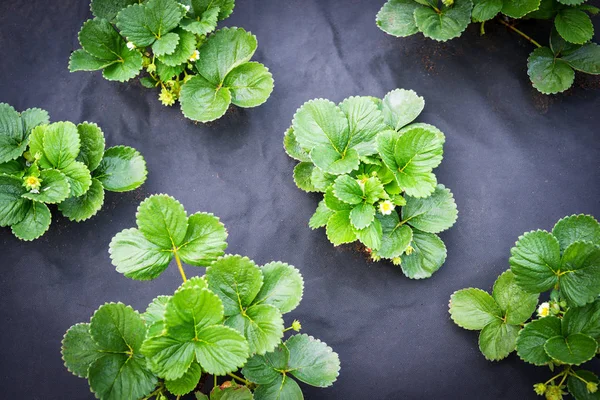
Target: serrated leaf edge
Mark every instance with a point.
(299, 274)
(327, 348)
(530, 73)
(450, 306)
(62, 347)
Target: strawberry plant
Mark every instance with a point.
(551, 68)
(566, 331)
(229, 319)
(182, 54)
(374, 168)
(59, 163)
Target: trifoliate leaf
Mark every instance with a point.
(250, 84)
(183, 51)
(579, 279)
(205, 240)
(365, 121)
(61, 144)
(347, 189)
(547, 74)
(474, 309)
(92, 142)
(312, 361)
(54, 189)
(204, 24)
(396, 17)
(517, 305)
(33, 117)
(86, 206)
(122, 169)
(261, 325)
(401, 107)
(374, 190)
(428, 255)
(186, 383)
(484, 10)
(162, 220)
(585, 59)
(35, 224)
(282, 286)
(498, 339)
(535, 261)
(13, 207)
(449, 23)
(302, 176)
(371, 236)
(576, 228)
(79, 350)
(518, 8)
(396, 237)
(339, 228)
(362, 215)
(136, 257)
(530, 343)
(13, 140)
(283, 387)
(143, 24)
(321, 216)
(108, 9)
(233, 392)
(584, 320)
(432, 214)
(292, 147)
(201, 101)
(264, 369)
(79, 178)
(574, 349)
(574, 25)
(578, 387)
(166, 44)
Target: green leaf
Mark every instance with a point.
(578, 388)
(484, 10)
(117, 328)
(282, 286)
(261, 325)
(117, 376)
(183, 51)
(497, 340)
(13, 167)
(401, 107)
(143, 24)
(61, 144)
(201, 101)
(362, 215)
(374, 190)
(312, 361)
(321, 180)
(81, 60)
(79, 178)
(236, 280)
(432, 214)
(428, 255)
(128, 66)
(264, 369)
(329, 160)
(396, 17)
(220, 349)
(165, 72)
(13, 207)
(169, 357)
(530, 343)
(321, 216)
(85, 206)
(547, 74)
(339, 228)
(92, 142)
(54, 189)
(535, 261)
(233, 392)
(250, 84)
(333, 203)
(302, 176)
(574, 349)
(546, 10)
(186, 383)
(517, 305)
(36, 145)
(33, 117)
(122, 169)
(474, 309)
(205, 240)
(448, 24)
(35, 224)
(365, 121)
(202, 25)
(396, 238)
(282, 388)
(13, 140)
(191, 309)
(579, 281)
(226, 49)
(292, 147)
(371, 236)
(163, 221)
(518, 8)
(156, 310)
(347, 189)
(79, 350)
(108, 9)
(166, 44)
(584, 320)
(576, 228)
(574, 25)
(585, 59)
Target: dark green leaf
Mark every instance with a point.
(122, 169)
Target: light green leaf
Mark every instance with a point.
(117, 376)
(54, 189)
(547, 74)
(302, 176)
(365, 121)
(584, 320)
(79, 350)
(321, 180)
(401, 107)
(108, 9)
(145, 23)
(163, 221)
(122, 169)
(329, 160)
(205, 240)
(585, 59)
(530, 343)
(448, 24)
(183, 51)
(81, 60)
(374, 190)
(333, 203)
(292, 147)
(321, 123)
(396, 238)
(282, 286)
(347, 189)
(61, 144)
(13, 140)
(202, 25)
(35, 224)
(497, 340)
(576, 228)
(92, 142)
(86, 206)
(127, 67)
(136, 257)
(339, 228)
(169, 357)
(166, 44)
(312, 361)
(186, 383)
(33, 117)
(220, 349)
(156, 310)
(117, 328)
(535, 261)
(396, 17)
(282, 388)
(432, 214)
(236, 280)
(428, 255)
(13, 207)
(233, 392)
(484, 10)
(578, 387)
(574, 25)
(264, 369)
(191, 309)
(250, 84)
(574, 349)
(517, 305)
(474, 309)
(371, 236)
(362, 215)
(579, 280)
(261, 325)
(165, 72)
(79, 178)
(202, 101)
(36, 145)
(518, 8)
(321, 216)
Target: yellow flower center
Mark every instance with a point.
(32, 181)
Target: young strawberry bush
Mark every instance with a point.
(182, 55)
(59, 163)
(229, 319)
(551, 68)
(566, 331)
(374, 168)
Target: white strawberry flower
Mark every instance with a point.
(195, 56)
(544, 309)
(130, 45)
(386, 207)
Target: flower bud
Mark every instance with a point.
(591, 387)
(296, 325)
(539, 389)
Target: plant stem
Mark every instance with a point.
(509, 26)
(215, 380)
(482, 28)
(180, 267)
(246, 382)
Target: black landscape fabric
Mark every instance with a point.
(516, 161)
